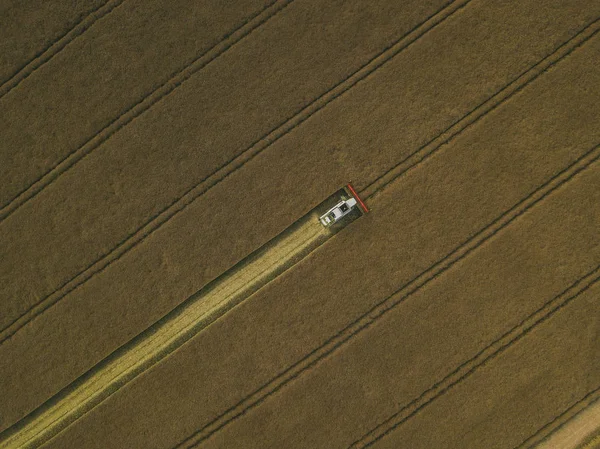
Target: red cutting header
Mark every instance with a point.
(362, 205)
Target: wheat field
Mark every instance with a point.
(166, 282)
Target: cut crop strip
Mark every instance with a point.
(234, 164)
(261, 394)
(57, 46)
(146, 102)
(164, 337)
(482, 358)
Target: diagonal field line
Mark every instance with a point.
(178, 205)
(276, 383)
(171, 332)
(536, 438)
(371, 316)
(56, 46)
(232, 38)
(148, 100)
(381, 182)
(575, 427)
(515, 86)
(482, 358)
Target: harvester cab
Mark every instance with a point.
(347, 203)
(338, 211)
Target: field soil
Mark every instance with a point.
(168, 141)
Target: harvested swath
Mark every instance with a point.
(127, 244)
(374, 314)
(169, 334)
(428, 164)
(143, 321)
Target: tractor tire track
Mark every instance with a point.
(413, 160)
(515, 86)
(578, 426)
(259, 395)
(371, 316)
(151, 346)
(56, 47)
(179, 204)
(124, 118)
(562, 418)
(482, 358)
(119, 384)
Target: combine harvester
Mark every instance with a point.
(193, 315)
(349, 200)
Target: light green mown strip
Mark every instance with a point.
(170, 333)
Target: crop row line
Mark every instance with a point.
(479, 360)
(146, 102)
(371, 316)
(165, 336)
(131, 240)
(381, 186)
(56, 46)
(474, 115)
(581, 403)
(414, 159)
(228, 168)
(280, 380)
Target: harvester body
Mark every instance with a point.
(337, 212)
